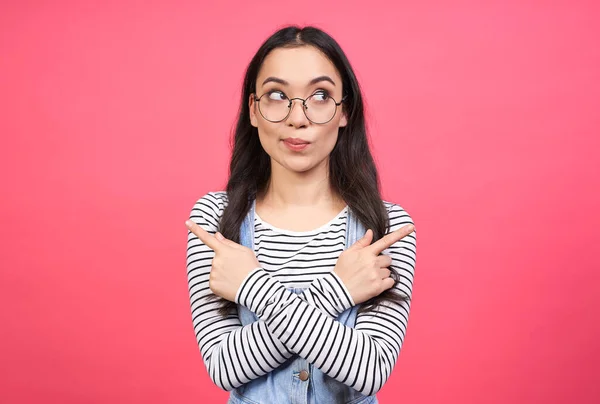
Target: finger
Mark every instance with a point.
(365, 241)
(226, 241)
(384, 273)
(203, 235)
(386, 284)
(383, 261)
(389, 239)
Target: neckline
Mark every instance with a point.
(300, 233)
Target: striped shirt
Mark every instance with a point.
(303, 324)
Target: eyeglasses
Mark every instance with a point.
(319, 108)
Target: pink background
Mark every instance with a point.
(115, 119)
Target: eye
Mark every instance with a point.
(276, 96)
(320, 96)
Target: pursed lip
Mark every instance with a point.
(295, 141)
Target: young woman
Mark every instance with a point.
(300, 276)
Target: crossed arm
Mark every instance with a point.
(361, 357)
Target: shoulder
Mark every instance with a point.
(209, 208)
(213, 200)
(398, 216)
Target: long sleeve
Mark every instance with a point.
(234, 354)
(362, 357)
(328, 294)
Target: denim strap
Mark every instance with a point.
(354, 228)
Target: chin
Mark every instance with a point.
(299, 165)
(299, 168)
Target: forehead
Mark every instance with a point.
(297, 65)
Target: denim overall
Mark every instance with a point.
(283, 385)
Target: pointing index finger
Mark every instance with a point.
(389, 239)
(203, 235)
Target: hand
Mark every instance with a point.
(362, 269)
(231, 264)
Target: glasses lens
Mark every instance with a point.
(274, 106)
(320, 108)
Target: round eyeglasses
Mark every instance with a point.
(319, 108)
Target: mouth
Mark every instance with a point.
(295, 144)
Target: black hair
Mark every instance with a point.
(352, 171)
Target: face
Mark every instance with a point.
(296, 143)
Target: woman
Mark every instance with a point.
(292, 300)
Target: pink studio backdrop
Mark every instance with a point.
(115, 119)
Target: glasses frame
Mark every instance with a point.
(304, 108)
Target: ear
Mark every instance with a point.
(344, 118)
(252, 106)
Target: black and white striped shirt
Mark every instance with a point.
(361, 357)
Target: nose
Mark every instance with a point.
(297, 118)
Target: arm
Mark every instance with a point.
(234, 354)
(329, 295)
(362, 357)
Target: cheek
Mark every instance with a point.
(330, 133)
(326, 142)
(267, 135)
(331, 142)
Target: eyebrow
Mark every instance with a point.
(285, 83)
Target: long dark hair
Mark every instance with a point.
(352, 171)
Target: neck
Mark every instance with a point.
(292, 189)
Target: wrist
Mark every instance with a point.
(244, 282)
(344, 298)
(262, 294)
